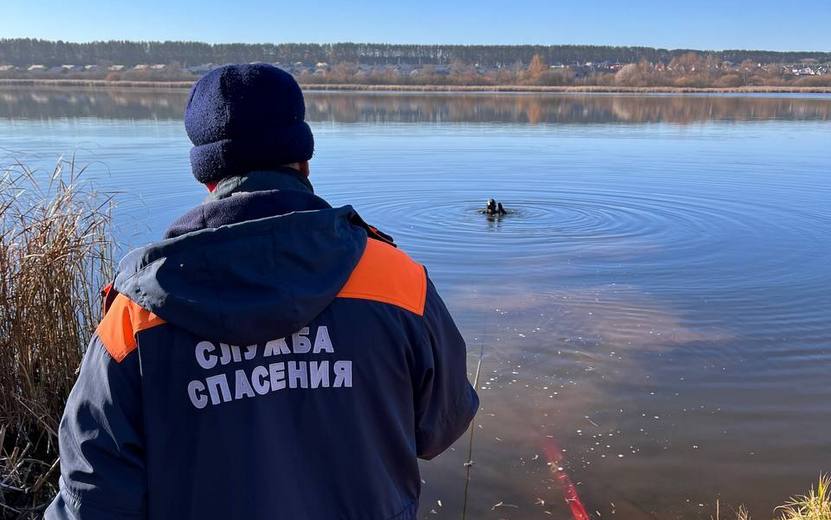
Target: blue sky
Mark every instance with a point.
(704, 24)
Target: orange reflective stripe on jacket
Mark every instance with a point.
(121, 323)
(386, 274)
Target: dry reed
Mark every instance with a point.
(55, 252)
(816, 505)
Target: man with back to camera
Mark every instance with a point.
(273, 357)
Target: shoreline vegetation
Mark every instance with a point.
(380, 87)
(55, 252)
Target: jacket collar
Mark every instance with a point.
(253, 196)
(283, 178)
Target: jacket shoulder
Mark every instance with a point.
(386, 274)
(122, 321)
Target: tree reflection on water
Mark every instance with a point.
(365, 107)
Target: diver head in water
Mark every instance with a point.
(490, 208)
(494, 208)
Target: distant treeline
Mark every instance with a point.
(25, 51)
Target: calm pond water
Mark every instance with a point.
(658, 305)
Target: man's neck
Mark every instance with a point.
(283, 178)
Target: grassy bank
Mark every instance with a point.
(55, 251)
(758, 89)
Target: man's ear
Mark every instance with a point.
(303, 167)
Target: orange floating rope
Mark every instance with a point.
(554, 455)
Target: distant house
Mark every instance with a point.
(158, 66)
(116, 68)
(36, 68)
(141, 66)
(70, 68)
(6, 68)
(92, 68)
(803, 71)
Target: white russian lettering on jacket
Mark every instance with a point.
(196, 392)
(343, 374)
(277, 376)
(217, 384)
(259, 380)
(323, 343)
(263, 379)
(204, 355)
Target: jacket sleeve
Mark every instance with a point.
(445, 402)
(101, 442)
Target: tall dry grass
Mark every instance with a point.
(55, 253)
(815, 505)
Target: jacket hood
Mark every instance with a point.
(249, 267)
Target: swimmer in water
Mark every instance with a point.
(494, 209)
